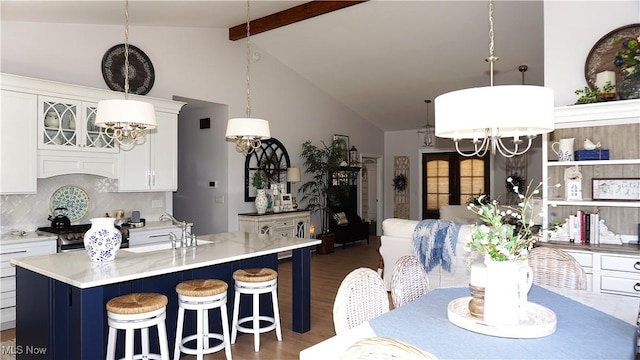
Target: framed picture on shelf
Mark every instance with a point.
(617, 189)
(343, 143)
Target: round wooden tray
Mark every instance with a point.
(541, 322)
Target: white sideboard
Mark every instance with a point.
(286, 224)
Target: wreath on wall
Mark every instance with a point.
(516, 181)
(400, 182)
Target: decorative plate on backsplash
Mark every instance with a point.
(73, 198)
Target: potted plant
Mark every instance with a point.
(320, 163)
(259, 181)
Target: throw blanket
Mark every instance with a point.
(434, 242)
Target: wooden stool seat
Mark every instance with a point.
(136, 303)
(255, 275)
(201, 287)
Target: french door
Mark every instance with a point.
(450, 178)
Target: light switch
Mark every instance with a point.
(219, 199)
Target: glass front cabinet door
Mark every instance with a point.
(70, 125)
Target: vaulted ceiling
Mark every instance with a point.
(381, 59)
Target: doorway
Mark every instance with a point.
(371, 191)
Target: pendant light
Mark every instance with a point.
(125, 120)
(247, 132)
(427, 132)
(489, 115)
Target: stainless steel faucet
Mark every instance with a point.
(186, 239)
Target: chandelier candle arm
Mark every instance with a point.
(126, 120)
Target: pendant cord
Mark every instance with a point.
(248, 63)
(491, 59)
(126, 49)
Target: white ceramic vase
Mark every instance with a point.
(261, 201)
(505, 296)
(102, 240)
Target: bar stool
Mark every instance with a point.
(256, 282)
(137, 311)
(202, 296)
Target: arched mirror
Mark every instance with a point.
(273, 159)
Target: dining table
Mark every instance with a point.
(588, 325)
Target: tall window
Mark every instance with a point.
(449, 178)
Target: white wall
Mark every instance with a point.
(199, 64)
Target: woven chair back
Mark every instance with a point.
(377, 348)
(409, 280)
(555, 267)
(361, 297)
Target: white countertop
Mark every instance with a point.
(75, 268)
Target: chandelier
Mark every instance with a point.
(247, 132)
(488, 116)
(126, 120)
(427, 132)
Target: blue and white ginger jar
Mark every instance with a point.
(102, 240)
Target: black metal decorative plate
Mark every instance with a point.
(602, 54)
(141, 73)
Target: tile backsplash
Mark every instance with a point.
(27, 212)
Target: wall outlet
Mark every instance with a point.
(213, 184)
(219, 199)
(155, 204)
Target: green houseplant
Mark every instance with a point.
(319, 193)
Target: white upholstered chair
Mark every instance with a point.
(377, 348)
(555, 267)
(409, 280)
(361, 297)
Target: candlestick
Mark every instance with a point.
(478, 276)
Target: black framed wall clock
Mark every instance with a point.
(141, 72)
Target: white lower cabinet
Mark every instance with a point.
(8, 251)
(612, 273)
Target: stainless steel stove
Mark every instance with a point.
(72, 238)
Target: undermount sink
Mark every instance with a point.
(163, 246)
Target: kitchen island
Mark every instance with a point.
(61, 297)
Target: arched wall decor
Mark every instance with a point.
(271, 157)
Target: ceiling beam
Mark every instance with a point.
(287, 17)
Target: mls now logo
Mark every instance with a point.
(20, 349)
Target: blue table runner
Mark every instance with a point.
(582, 332)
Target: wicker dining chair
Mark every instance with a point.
(555, 267)
(361, 297)
(409, 280)
(377, 348)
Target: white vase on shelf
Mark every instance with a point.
(102, 240)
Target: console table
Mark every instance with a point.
(285, 224)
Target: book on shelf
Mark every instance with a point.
(584, 228)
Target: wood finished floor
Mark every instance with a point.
(327, 271)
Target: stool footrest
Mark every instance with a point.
(207, 349)
(262, 329)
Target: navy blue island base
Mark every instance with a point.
(64, 321)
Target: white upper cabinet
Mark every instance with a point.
(48, 129)
(18, 142)
(152, 165)
(69, 125)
